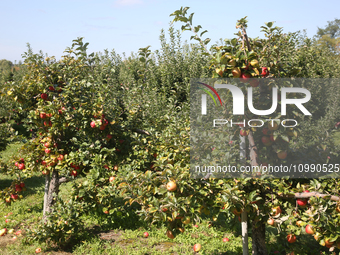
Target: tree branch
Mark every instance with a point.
(63, 180)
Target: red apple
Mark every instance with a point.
(112, 178)
(21, 166)
(14, 196)
(16, 164)
(18, 188)
(276, 210)
(43, 115)
(271, 221)
(146, 234)
(60, 157)
(115, 167)
(309, 229)
(245, 76)
(93, 124)
(74, 173)
(43, 96)
(302, 202)
(51, 88)
(291, 238)
(47, 145)
(265, 72)
(22, 185)
(47, 151)
(197, 247)
(226, 239)
(3, 231)
(37, 250)
(243, 132)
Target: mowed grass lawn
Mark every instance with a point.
(112, 235)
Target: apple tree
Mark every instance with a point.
(254, 61)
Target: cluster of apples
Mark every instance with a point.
(20, 164)
(75, 170)
(102, 122)
(251, 70)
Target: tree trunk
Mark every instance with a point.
(47, 185)
(244, 225)
(259, 238)
(51, 187)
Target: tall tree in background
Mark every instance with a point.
(330, 35)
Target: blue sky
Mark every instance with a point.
(127, 25)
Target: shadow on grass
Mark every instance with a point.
(32, 184)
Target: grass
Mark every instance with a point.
(115, 238)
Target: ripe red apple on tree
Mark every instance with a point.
(47, 151)
(14, 196)
(276, 210)
(37, 250)
(74, 173)
(309, 229)
(93, 124)
(243, 132)
(264, 72)
(302, 202)
(21, 166)
(60, 157)
(44, 96)
(18, 188)
(271, 221)
(328, 243)
(112, 178)
(245, 76)
(22, 185)
(115, 167)
(226, 239)
(146, 234)
(43, 115)
(171, 186)
(197, 247)
(291, 238)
